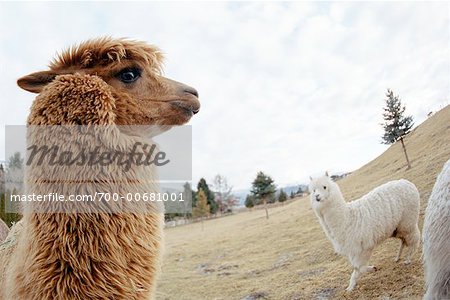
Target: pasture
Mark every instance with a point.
(288, 256)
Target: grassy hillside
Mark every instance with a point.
(288, 256)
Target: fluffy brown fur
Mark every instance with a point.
(104, 51)
(93, 255)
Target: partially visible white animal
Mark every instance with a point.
(355, 228)
(436, 239)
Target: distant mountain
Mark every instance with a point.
(241, 195)
(294, 188)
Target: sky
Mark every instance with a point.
(288, 88)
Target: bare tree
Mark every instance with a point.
(223, 193)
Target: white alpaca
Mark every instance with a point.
(436, 238)
(355, 228)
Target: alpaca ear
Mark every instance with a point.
(310, 178)
(326, 174)
(35, 82)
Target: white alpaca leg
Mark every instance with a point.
(353, 279)
(409, 254)
(412, 245)
(357, 273)
(360, 266)
(402, 244)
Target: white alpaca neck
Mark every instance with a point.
(333, 216)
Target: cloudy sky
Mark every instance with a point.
(291, 89)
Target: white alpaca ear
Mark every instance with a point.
(310, 178)
(326, 174)
(35, 82)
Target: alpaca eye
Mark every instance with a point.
(324, 187)
(129, 75)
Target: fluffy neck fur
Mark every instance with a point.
(333, 215)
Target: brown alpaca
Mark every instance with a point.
(94, 255)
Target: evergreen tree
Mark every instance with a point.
(194, 198)
(202, 209)
(292, 195)
(8, 218)
(249, 201)
(188, 194)
(202, 185)
(282, 196)
(13, 172)
(263, 189)
(272, 198)
(396, 125)
(15, 161)
(183, 208)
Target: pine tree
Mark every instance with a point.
(15, 161)
(249, 201)
(396, 125)
(188, 194)
(263, 189)
(292, 195)
(202, 209)
(209, 195)
(282, 196)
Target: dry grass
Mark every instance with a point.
(288, 256)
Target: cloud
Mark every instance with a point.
(288, 88)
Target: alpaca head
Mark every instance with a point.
(129, 72)
(323, 191)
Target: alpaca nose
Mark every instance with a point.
(317, 198)
(191, 90)
(188, 95)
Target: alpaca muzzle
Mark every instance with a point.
(191, 107)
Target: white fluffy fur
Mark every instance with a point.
(355, 228)
(436, 238)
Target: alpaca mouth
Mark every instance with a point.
(188, 107)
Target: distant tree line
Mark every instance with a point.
(206, 200)
(264, 191)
